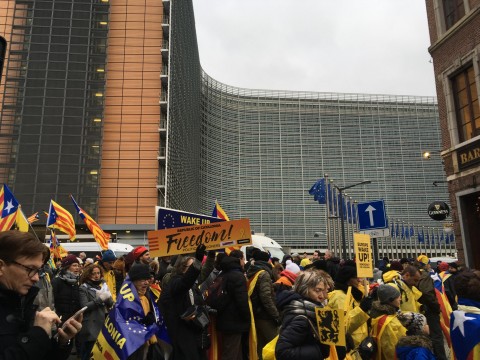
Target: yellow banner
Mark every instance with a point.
(363, 255)
(184, 240)
(331, 326)
(102, 350)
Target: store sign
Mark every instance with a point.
(438, 210)
(469, 155)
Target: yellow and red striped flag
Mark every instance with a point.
(61, 219)
(100, 236)
(218, 212)
(34, 217)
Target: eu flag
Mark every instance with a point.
(421, 238)
(318, 190)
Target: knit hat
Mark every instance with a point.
(423, 259)
(291, 266)
(413, 322)
(346, 273)
(443, 266)
(139, 272)
(386, 293)
(89, 261)
(69, 260)
(396, 265)
(305, 262)
(139, 251)
(108, 256)
(261, 256)
(453, 265)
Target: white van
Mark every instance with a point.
(264, 243)
(92, 248)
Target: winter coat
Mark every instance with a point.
(296, 339)
(94, 316)
(66, 296)
(356, 318)
(19, 339)
(263, 303)
(392, 331)
(415, 347)
(410, 296)
(174, 301)
(429, 298)
(45, 294)
(235, 317)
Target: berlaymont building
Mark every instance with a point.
(107, 100)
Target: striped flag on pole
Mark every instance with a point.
(61, 219)
(34, 217)
(101, 237)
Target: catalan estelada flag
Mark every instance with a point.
(218, 212)
(100, 236)
(34, 217)
(8, 208)
(61, 219)
(465, 330)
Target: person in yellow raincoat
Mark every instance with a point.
(406, 282)
(386, 328)
(348, 296)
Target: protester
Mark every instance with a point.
(287, 277)
(417, 344)
(65, 287)
(265, 312)
(142, 255)
(233, 319)
(465, 322)
(333, 263)
(213, 275)
(106, 263)
(431, 306)
(183, 307)
(95, 295)
(448, 281)
(386, 327)
(26, 334)
(406, 283)
(44, 297)
(297, 338)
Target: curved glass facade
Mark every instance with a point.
(261, 152)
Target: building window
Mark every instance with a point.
(453, 10)
(466, 104)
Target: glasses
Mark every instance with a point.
(31, 272)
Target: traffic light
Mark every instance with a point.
(3, 48)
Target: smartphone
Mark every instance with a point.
(74, 316)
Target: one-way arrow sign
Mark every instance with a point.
(372, 215)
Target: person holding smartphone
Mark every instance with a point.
(24, 332)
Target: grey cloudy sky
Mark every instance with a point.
(353, 46)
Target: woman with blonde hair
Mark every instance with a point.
(298, 338)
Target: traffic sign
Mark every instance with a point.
(372, 215)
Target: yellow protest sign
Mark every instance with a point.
(331, 326)
(363, 255)
(184, 240)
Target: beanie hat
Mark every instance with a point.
(261, 256)
(139, 251)
(305, 262)
(346, 273)
(139, 272)
(386, 293)
(403, 261)
(319, 264)
(291, 266)
(413, 322)
(88, 261)
(69, 260)
(443, 266)
(396, 265)
(108, 256)
(453, 265)
(423, 259)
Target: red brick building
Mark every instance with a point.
(454, 27)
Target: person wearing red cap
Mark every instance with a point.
(142, 255)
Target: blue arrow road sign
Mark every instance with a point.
(372, 215)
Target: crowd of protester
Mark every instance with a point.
(219, 306)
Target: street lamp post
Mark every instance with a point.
(342, 220)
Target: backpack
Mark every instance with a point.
(217, 297)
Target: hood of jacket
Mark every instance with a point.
(390, 276)
(379, 309)
(289, 275)
(291, 303)
(230, 263)
(259, 265)
(416, 341)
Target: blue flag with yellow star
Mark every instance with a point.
(465, 330)
(123, 331)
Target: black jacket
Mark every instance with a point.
(66, 297)
(296, 339)
(235, 318)
(19, 339)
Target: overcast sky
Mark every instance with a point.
(352, 46)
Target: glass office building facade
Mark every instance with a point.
(107, 100)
